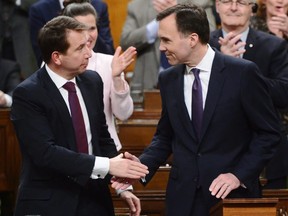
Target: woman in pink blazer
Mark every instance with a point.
(117, 99)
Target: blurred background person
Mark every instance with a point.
(44, 10)
(9, 79)
(117, 99)
(14, 34)
(272, 17)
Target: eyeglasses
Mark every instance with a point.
(238, 2)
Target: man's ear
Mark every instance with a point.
(56, 57)
(194, 38)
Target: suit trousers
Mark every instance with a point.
(200, 206)
(95, 199)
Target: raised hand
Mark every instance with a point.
(121, 61)
(278, 25)
(230, 45)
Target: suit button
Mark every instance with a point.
(195, 179)
(199, 154)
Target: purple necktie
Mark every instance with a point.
(197, 102)
(77, 118)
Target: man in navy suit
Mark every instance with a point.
(270, 55)
(57, 178)
(44, 10)
(224, 154)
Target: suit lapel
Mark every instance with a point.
(216, 82)
(59, 104)
(251, 45)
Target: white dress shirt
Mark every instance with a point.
(205, 67)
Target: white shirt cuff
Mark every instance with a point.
(101, 167)
(152, 31)
(119, 191)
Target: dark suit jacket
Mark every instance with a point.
(270, 53)
(53, 173)
(45, 10)
(9, 76)
(239, 133)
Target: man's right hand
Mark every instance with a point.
(127, 168)
(230, 45)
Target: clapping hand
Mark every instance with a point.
(230, 45)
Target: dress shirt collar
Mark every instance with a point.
(58, 80)
(244, 34)
(205, 65)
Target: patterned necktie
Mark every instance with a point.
(197, 102)
(77, 118)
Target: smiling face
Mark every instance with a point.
(90, 21)
(176, 46)
(275, 7)
(234, 16)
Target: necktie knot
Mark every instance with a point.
(69, 86)
(196, 72)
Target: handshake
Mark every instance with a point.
(126, 169)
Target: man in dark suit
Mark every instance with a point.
(270, 55)
(9, 78)
(58, 177)
(218, 121)
(44, 10)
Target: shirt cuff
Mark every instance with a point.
(119, 191)
(152, 31)
(101, 167)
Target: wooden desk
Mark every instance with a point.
(245, 207)
(10, 162)
(282, 195)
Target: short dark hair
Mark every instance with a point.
(53, 35)
(190, 18)
(79, 9)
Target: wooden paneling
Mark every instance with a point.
(10, 162)
(117, 15)
(245, 207)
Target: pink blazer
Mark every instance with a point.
(118, 104)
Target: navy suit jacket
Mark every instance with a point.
(270, 53)
(239, 133)
(53, 173)
(45, 10)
